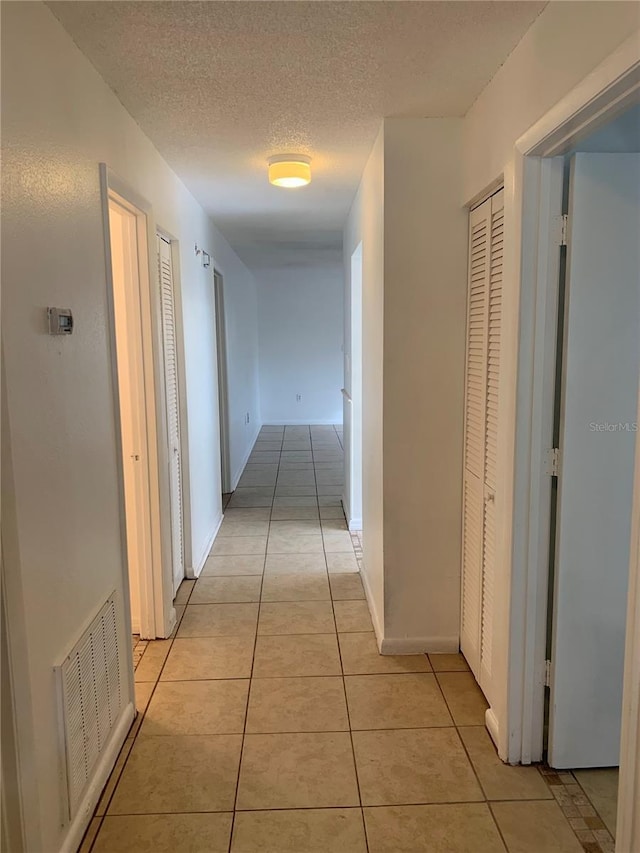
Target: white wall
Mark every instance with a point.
(61, 515)
(561, 47)
(366, 224)
(425, 262)
(241, 330)
(408, 215)
(300, 321)
(565, 43)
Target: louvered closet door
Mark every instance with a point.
(173, 407)
(474, 446)
(491, 437)
(481, 427)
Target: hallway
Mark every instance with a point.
(271, 723)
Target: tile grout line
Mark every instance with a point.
(490, 802)
(138, 728)
(456, 727)
(138, 724)
(334, 808)
(468, 756)
(344, 687)
(253, 656)
(486, 800)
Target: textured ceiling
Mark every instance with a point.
(221, 86)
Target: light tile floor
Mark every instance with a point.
(270, 723)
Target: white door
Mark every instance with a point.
(133, 425)
(484, 324)
(597, 445)
(165, 270)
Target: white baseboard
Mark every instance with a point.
(354, 524)
(303, 423)
(238, 472)
(80, 822)
(377, 624)
(491, 722)
(345, 507)
(405, 645)
(173, 618)
(194, 571)
(419, 645)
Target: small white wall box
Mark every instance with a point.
(206, 260)
(60, 321)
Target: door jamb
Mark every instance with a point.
(523, 550)
(159, 617)
(353, 397)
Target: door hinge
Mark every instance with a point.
(564, 227)
(561, 224)
(552, 464)
(547, 673)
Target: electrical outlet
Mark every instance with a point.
(298, 398)
(246, 418)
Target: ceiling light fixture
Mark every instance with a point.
(290, 170)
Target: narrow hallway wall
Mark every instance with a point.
(241, 329)
(425, 299)
(61, 514)
(365, 224)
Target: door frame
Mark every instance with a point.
(223, 380)
(352, 396)
(157, 613)
(532, 188)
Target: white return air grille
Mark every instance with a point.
(91, 700)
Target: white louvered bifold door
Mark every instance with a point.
(491, 437)
(474, 445)
(481, 430)
(165, 271)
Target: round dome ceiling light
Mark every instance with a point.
(290, 170)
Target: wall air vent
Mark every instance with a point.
(91, 696)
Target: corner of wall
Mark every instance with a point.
(377, 618)
(235, 476)
(198, 564)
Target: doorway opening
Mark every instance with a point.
(138, 347)
(133, 392)
(595, 427)
(545, 448)
(223, 387)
